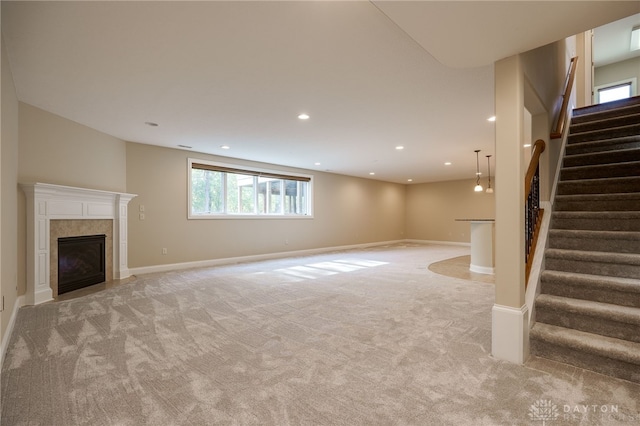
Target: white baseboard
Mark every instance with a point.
(510, 333)
(482, 269)
(440, 243)
(253, 258)
(20, 302)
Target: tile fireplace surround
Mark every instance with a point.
(46, 202)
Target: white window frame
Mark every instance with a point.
(254, 170)
(633, 81)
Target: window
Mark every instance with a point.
(615, 91)
(223, 190)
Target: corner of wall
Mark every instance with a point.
(6, 336)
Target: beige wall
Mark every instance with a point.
(9, 188)
(60, 151)
(347, 211)
(618, 71)
(431, 209)
(53, 149)
(545, 71)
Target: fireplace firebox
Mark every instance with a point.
(81, 262)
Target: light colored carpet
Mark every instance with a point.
(368, 337)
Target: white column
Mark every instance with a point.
(38, 274)
(482, 247)
(121, 237)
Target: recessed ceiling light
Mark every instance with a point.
(448, 163)
(492, 118)
(225, 146)
(317, 163)
(185, 146)
(399, 147)
(303, 116)
(409, 180)
(151, 123)
(371, 173)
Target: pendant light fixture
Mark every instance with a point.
(478, 187)
(489, 188)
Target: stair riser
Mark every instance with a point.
(617, 132)
(608, 157)
(595, 244)
(596, 205)
(604, 115)
(586, 292)
(600, 172)
(603, 123)
(596, 224)
(603, 146)
(591, 324)
(588, 361)
(599, 187)
(593, 268)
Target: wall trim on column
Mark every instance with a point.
(46, 202)
(510, 333)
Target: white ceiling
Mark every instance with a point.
(611, 42)
(371, 75)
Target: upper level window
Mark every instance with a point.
(224, 190)
(615, 91)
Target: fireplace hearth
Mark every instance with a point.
(81, 262)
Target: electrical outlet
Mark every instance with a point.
(142, 208)
(164, 251)
(141, 216)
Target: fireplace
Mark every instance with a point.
(81, 262)
(48, 204)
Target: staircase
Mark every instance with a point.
(588, 311)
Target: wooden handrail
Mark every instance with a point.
(533, 212)
(562, 116)
(538, 148)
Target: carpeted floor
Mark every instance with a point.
(367, 337)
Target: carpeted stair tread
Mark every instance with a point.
(606, 120)
(608, 106)
(612, 144)
(614, 283)
(624, 265)
(618, 290)
(597, 171)
(624, 221)
(600, 186)
(595, 256)
(620, 131)
(633, 109)
(605, 311)
(606, 347)
(590, 240)
(602, 158)
(629, 201)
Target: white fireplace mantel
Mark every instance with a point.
(46, 202)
